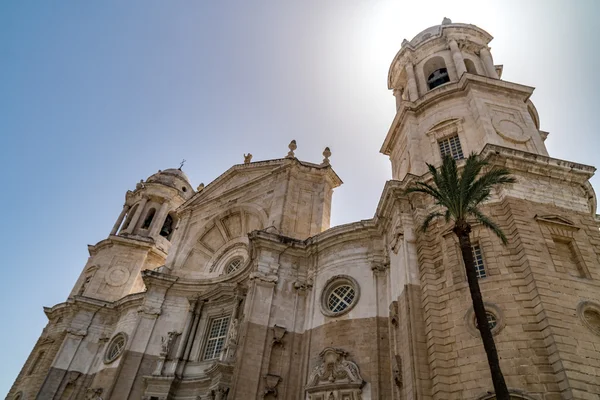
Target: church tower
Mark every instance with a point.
(139, 240)
(241, 289)
(541, 289)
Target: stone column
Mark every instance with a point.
(413, 91)
(488, 63)
(137, 215)
(119, 220)
(398, 96)
(459, 61)
(159, 219)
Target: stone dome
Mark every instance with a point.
(172, 177)
(426, 34)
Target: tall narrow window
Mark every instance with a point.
(216, 337)
(566, 257)
(167, 227)
(130, 215)
(149, 218)
(451, 147)
(36, 362)
(478, 259)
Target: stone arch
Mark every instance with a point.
(471, 67)
(225, 229)
(514, 394)
(435, 72)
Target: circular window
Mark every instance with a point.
(494, 315)
(115, 348)
(233, 265)
(184, 188)
(491, 318)
(589, 313)
(339, 296)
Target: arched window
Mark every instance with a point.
(435, 71)
(130, 215)
(167, 227)
(149, 218)
(470, 66)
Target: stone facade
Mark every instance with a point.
(241, 290)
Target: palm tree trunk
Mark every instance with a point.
(482, 323)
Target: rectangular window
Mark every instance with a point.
(451, 147)
(478, 259)
(217, 334)
(567, 257)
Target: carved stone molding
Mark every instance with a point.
(77, 332)
(394, 313)
(278, 333)
(94, 394)
(271, 382)
(263, 277)
(335, 377)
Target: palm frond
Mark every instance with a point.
(480, 190)
(422, 187)
(428, 220)
(488, 223)
(472, 168)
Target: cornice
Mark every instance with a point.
(131, 241)
(443, 92)
(93, 305)
(270, 167)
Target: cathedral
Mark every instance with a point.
(241, 290)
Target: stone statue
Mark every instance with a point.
(292, 146)
(247, 158)
(326, 154)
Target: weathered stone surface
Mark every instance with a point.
(241, 290)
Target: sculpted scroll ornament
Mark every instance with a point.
(335, 370)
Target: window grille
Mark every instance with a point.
(340, 298)
(451, 147)
(217, 334)
(233, 265)
(478, 260)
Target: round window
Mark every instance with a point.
(115, 347)
(491, 318)
(339, 296)
(233, 265)
(495, 319)
(590, 315)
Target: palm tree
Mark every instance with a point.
(460, 196)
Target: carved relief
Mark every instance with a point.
(94, 394)
(335, 377)
(508, 123)
(117, 275)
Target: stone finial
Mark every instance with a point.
(292, 146)
(326, 154)
(446, 21)
(140, 184)
(404, 43)
(200, 187)
(247, 158)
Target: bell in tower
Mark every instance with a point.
(451, 101)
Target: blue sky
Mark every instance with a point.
(95, 96)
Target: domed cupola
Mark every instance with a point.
(450, 101)
(175, 178)
(149, 210)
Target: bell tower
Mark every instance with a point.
(450, 99)
(140, 238)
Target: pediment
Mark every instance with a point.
(556, 220)
(237, 178)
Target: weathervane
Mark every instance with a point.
(182, 162)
